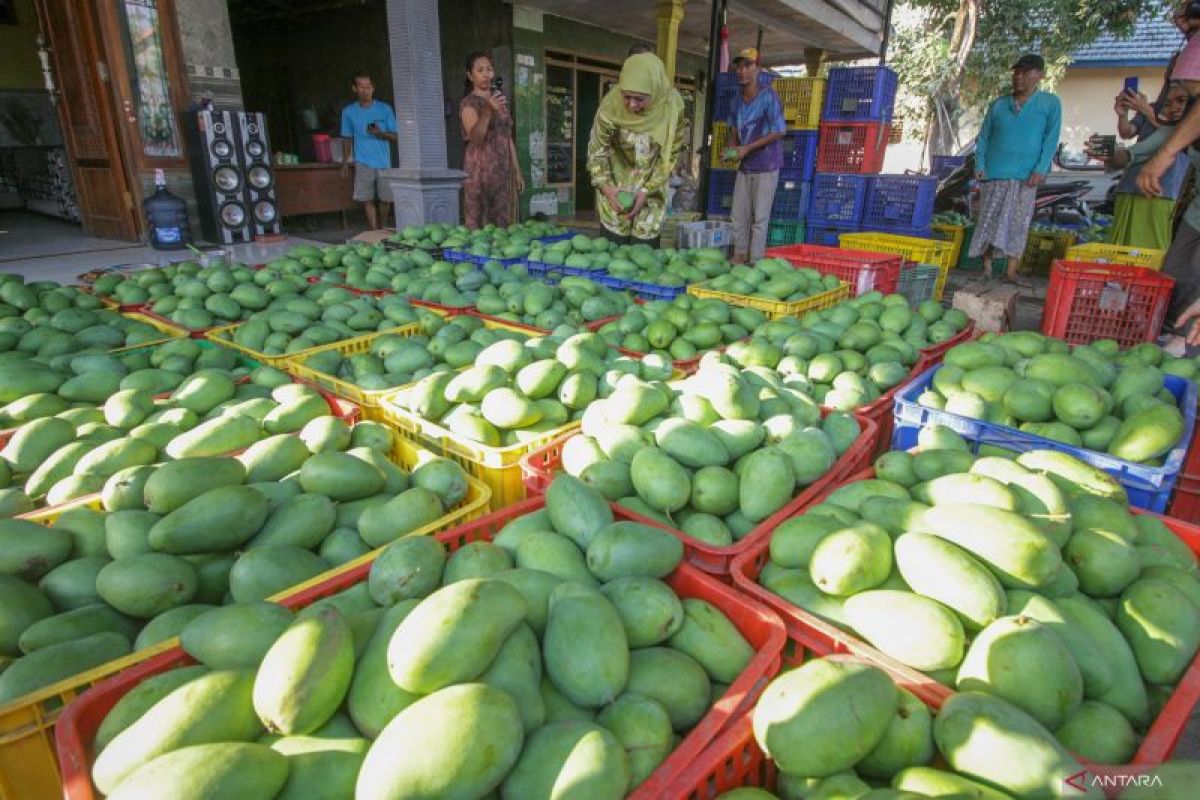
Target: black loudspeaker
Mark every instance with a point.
(218, 177)
(255, 151)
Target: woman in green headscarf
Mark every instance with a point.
(636, 138)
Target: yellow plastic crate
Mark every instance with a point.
(168, 331)
(912, 248)
(223, 336)
(1102, 253)
(802, 99)
(775, 308)
(956, 235)
(498, 467)
(1044, 248)
(367, 398)
(28, 766)
(720, 140)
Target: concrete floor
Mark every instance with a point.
(41, 248)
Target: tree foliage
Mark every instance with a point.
(953, 56)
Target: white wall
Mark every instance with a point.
(1087, 97)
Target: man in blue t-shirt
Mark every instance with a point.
(371, 124)
(756, 125)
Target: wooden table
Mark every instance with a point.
(314, 189)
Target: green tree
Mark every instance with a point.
(953, 56)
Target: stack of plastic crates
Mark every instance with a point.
(791, 197)
(1086, 302)
(720, 192)
(1102, 253)
(900, 204)
(802, 100)
(918, 283)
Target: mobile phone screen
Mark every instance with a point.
(1131, 84)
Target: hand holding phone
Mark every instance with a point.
(1131, 85)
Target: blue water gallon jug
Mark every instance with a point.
(168, 217)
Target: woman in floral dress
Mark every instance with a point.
(490, 160)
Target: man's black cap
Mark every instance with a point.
(1030, 61)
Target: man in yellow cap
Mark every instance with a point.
(756, 124)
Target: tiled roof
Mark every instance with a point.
(1153, 41)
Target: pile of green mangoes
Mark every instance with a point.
(322, 314)
(839, 726)
(41, 321)
(1026, 579)
(560, 648)
(71, 423)
(393, 360)
(845, 357)
(573, 301)
(713, 455)
(515, 241)
(196, 297)
(423, 237)
(639, 262)
(517, 391)
(1091, 396)
(683, 328)
(774, 280)
(952, 218)
(175, 540)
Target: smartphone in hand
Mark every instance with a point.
(1131, 85)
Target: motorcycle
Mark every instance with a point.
(1057, 202)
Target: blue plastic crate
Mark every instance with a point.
(720, 191)
(541, 269)
(644, 291)
(838, 199)
(900, 201)
(942, 166)
(1147, 487)
(827, 235)
(556, 238)
(860, 94)
(800, 152)
(791, 196)
(727, 91)
(725, 95)
(449, 254)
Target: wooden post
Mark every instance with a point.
(668, 13)
(814, 59)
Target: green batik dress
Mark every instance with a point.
(632, 162)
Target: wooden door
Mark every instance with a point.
(88, 119)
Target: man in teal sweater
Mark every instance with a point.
(1012, 158)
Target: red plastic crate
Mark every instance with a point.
(1185, 505)
(538, 468)
(823, 638)
(933, 355)
(78, 725)
(862, 270)
(1086, 302)
(852, 146)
